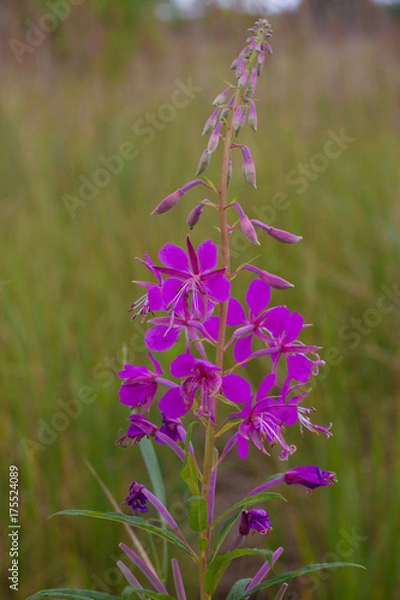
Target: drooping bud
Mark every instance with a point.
(243, 117)
(246, 225)
(211, 122)
(173, 199)
(260, 63)
(204, 162)
(194, 215)
(268, 48)
(251, 88)
(214, 138)
(243, 79)
(230, 169)
(226, 111)
(240, 68)
(279, 234)
(310, 477)
(253, 119)
(249, 169)
(236, 119)
(168, 202)
(274, 281)
(222, 97)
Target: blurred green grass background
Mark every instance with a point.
(66, 282)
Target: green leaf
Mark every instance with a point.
(223, 532)
(291, 574)
(189, 475)
(219, 565)
(134, 521)
(70, 594)
(249, 501)
(226, 427)
(197, 513)
(128, 591)
(238, 589)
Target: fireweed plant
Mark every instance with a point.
(190, 298)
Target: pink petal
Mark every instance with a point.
(208, 256)
(161, 337)
(299, 367)
(218, 288)
(235, 388)
(155, 298)
(130, 371)
(258, 296)
(170, 289)
(212, 327)
(132, 394)
(172, 404)
(174, 257)
(183, 365)
(275, 319)
(265, 387)
(293, 327)
(243, 348)
(243, 447)
(236, 314)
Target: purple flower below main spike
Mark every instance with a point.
(136, 499)
(310, 477)
(139, 428)
(254, 520)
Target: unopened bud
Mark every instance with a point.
(241, 68)
(248, 230)
(273, 280)
(249, 170)
(222, 97)
(214, 138)
(251, 88)
(279, 234)
(253, 119)
(260, 63)
(243, 79)
(204, 162)
(168, 202)
(194, 215)
(237, 118)
(211, 122)
(230, 169)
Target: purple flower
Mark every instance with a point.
(193, 275)
(264, 421)
(139, 428)
(256, 520)
(285, 327)
(140, 386)
(257, 298)
(152, 300)
(310, 477)
(173, 428)
(136, 499)
(200, 375)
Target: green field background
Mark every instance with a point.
(66, 276)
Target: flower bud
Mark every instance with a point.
(241, 68)
(310, 477)
(249, 170)
(222, 97)
(243, 79)
(168, 202)
(253, 119)
(230, 169)
(251, 88)
(204, 162)
(279, 234)
(260, 63)
(194, 215)
(214, 138)
(248, 230)
(237, 118)
(274, 281)
(211, 122)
